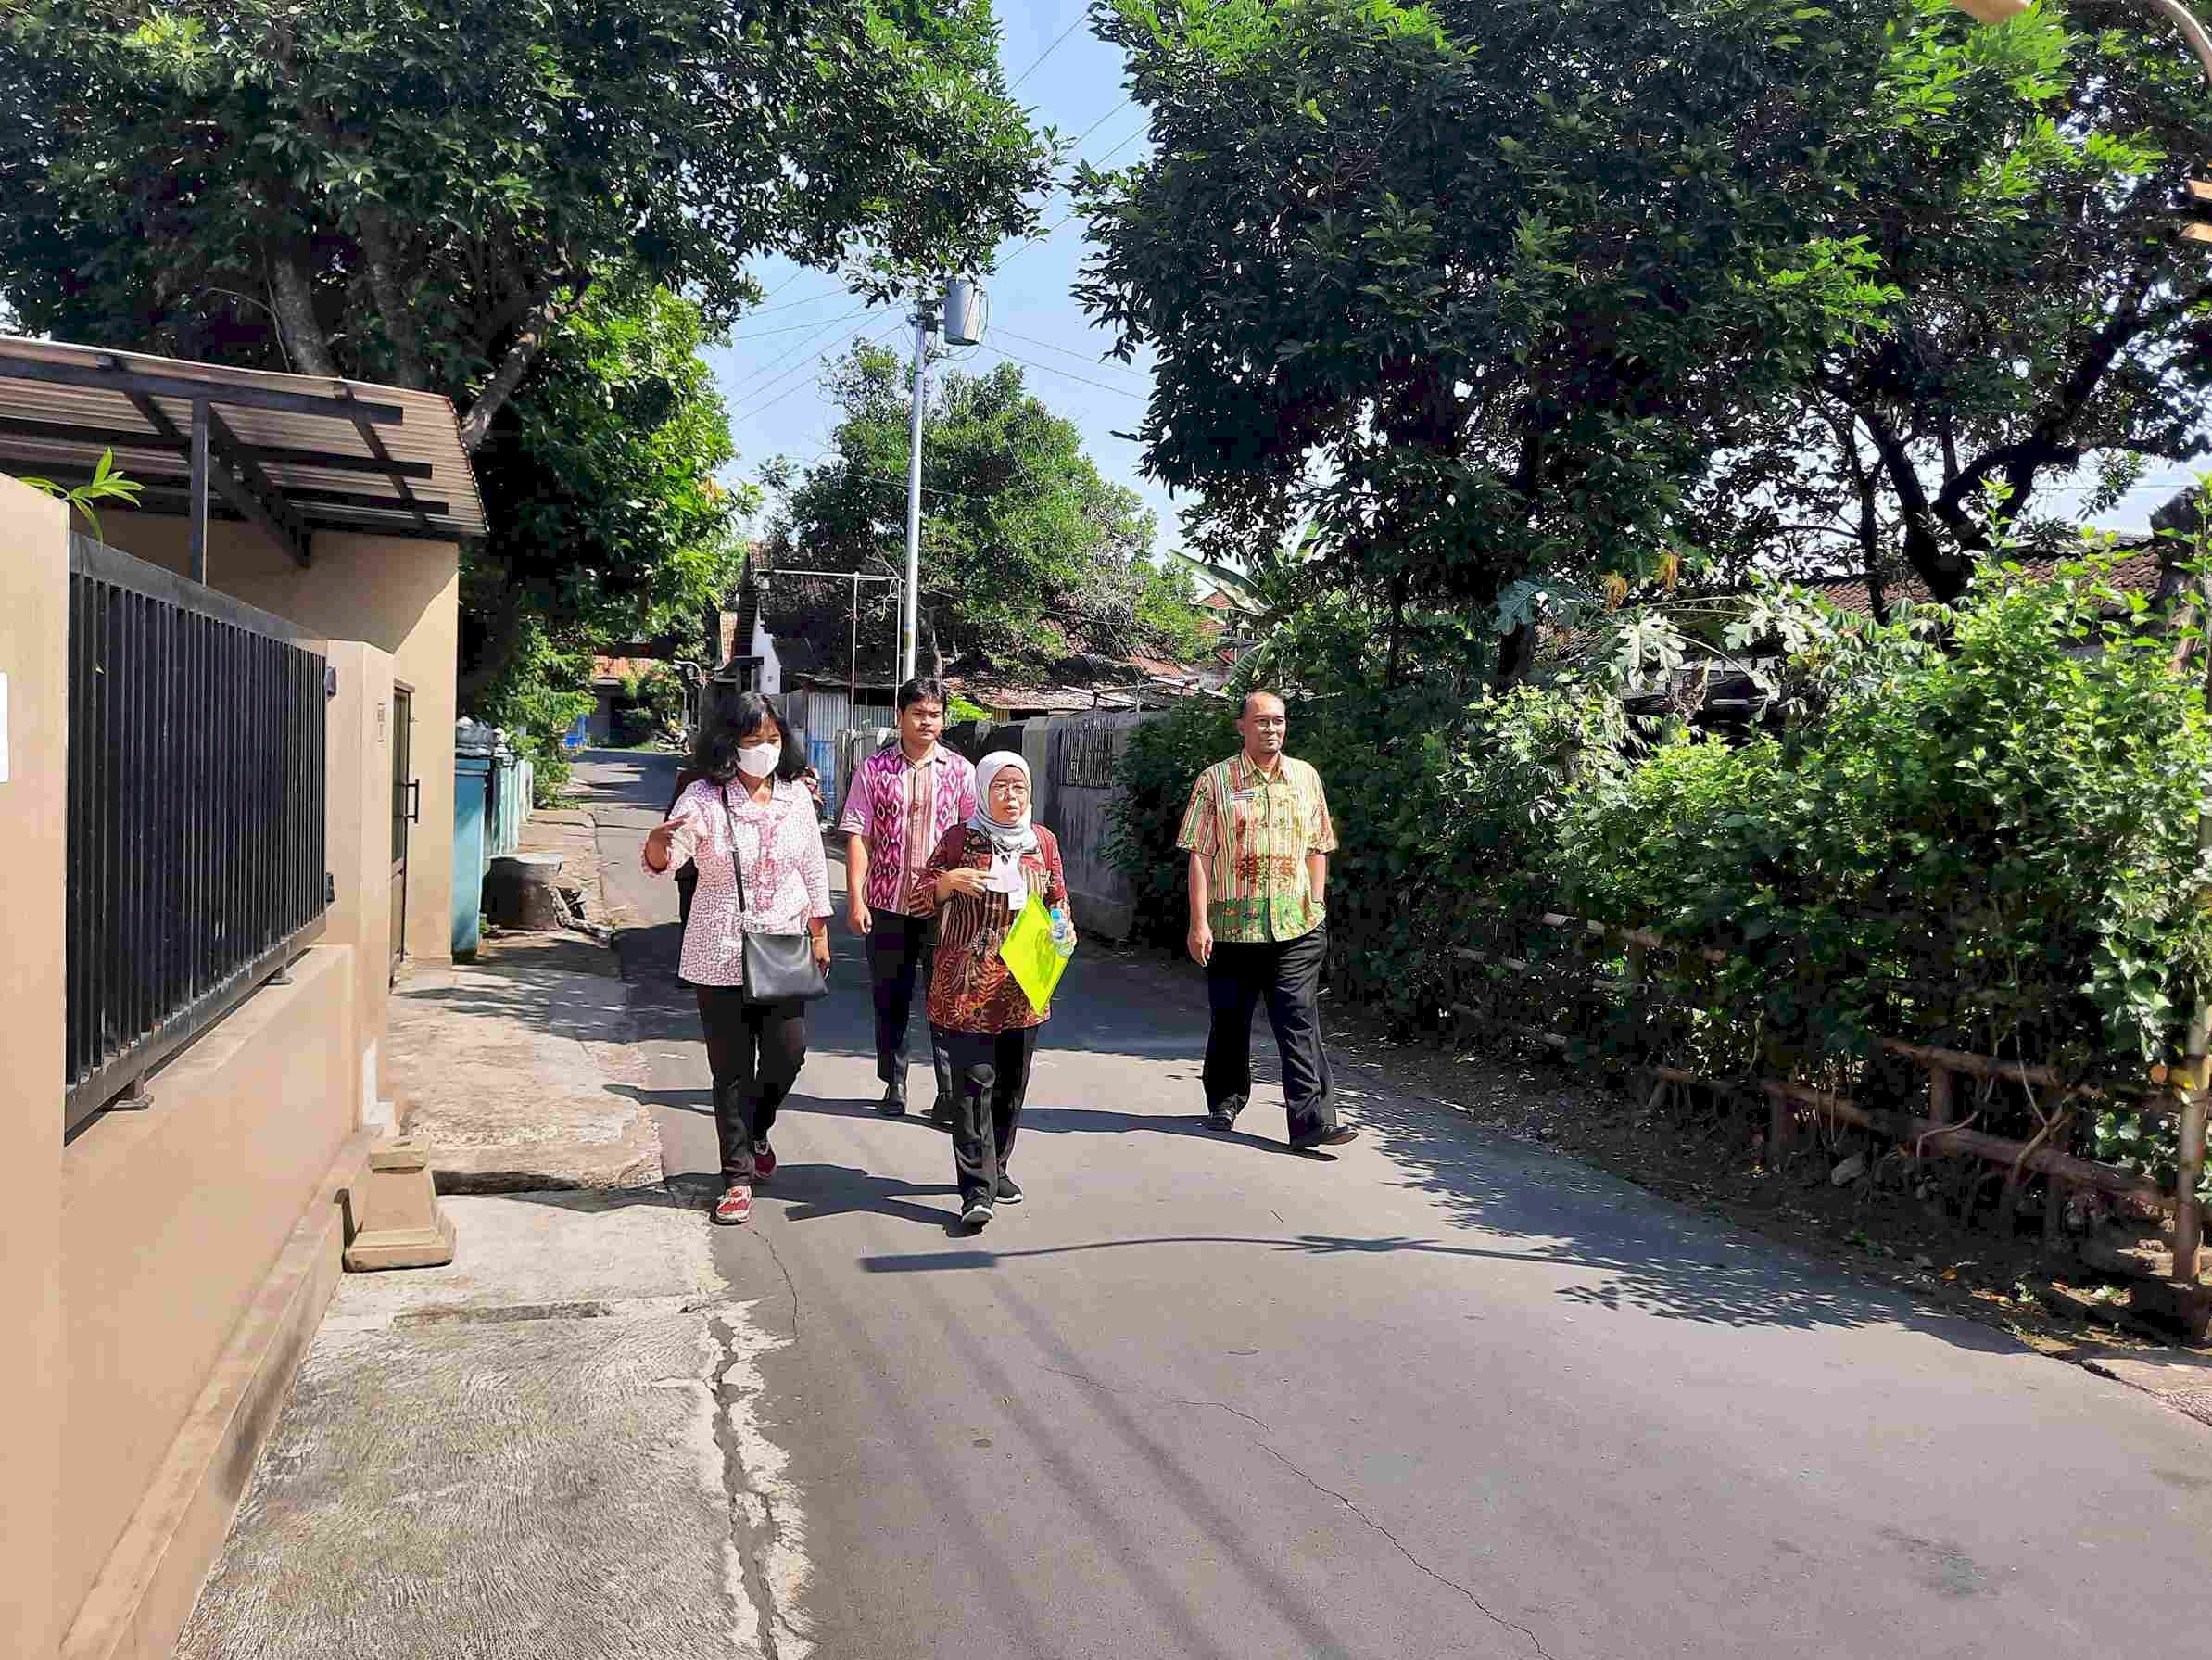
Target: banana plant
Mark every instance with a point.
(1273, 585)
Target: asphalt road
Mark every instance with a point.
(1446, 1395)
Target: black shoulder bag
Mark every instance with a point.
(778, 968)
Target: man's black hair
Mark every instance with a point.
(924, 687)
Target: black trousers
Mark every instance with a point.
(992, 1071)
(1288, 974)
(903, 953)
(755, 1054)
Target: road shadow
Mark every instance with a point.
(1500, 1204)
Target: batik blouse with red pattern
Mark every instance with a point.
(973, 988)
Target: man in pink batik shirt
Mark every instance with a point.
(903, 800)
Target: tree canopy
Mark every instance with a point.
(1510, 293)
(418, 191)
(612, 526)
(503, 203)
(1028, 554)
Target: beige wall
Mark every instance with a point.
(171, 1219)
(399, 595)
(33, 635)
(359, 847)
(163, 1269)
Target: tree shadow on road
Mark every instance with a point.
(1617, 1248)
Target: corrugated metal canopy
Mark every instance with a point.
(295, 453)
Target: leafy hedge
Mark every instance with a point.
(1991, 845)
(1445, 815)
(1982, 833)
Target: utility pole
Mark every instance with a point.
(925, 319)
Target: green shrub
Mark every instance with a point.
(1979, 831)
(539, 699)
(1994, 847)
(1444, 814)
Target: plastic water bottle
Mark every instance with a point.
(1063, 932)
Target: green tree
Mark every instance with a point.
(2048, 321)
(420, 191)
(1028, 554)
(1585, 292)
(613, 524)
(1480, 287)
(497, 202)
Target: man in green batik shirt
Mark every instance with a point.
(1259, 837)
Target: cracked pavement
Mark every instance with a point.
(1445, 1394)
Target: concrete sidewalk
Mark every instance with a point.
(549, 1447)
(508, 1068)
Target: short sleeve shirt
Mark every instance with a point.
(1254, 833)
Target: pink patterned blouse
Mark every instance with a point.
(787, 880)
(903, 811)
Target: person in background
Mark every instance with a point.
(902, 801)
(686, 875)
(1259, 837)
(977, 882)
(746, 817)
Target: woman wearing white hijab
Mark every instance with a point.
(975, 883)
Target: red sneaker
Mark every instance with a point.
(734, 1207)
(764, 1162)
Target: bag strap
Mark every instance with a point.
(737, 864)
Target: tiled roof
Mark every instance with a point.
(622, 669)
(2140, 572)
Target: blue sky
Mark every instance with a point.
(771, 372)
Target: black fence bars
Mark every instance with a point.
(196, 776)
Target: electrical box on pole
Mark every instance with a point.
(964, 313)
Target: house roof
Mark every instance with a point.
(293, 453)
(2140, 572)
(1091, 682)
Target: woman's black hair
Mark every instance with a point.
(715, 754)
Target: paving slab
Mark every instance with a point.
(471, 1465)
(510, 1069)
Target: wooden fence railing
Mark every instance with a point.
(2054, 1100)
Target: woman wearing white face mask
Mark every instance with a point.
(748, 826)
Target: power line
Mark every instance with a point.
(797, 375)
(808, 300)
(1125, 142)
(1102, 120)
(1039, 238)
(792, 328)
(1050, 369)
(751, 385)
(1080, 18)
(1078, 356)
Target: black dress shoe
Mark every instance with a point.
(1327, 1138)
(893, 1104)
